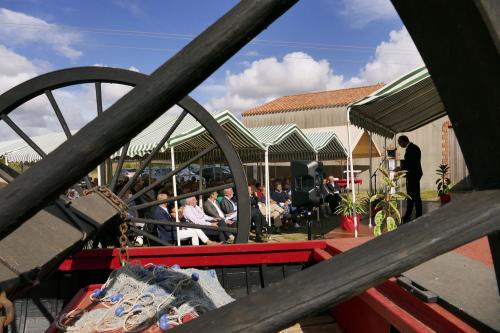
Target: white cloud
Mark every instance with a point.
(362, 12)
(131, 6)
(25, 29)
(392, 58)
(14, 69)
(298, 72)
(269, 77)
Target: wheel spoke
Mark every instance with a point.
(58, 113)
(63, 123)
(119, 166)
(171, 173)
(184, 225)
(182, 196)
(23, 135)
(148, 235)
(153, 153)
(98, 97)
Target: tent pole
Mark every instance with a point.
(6, 160)
(385, 154)
(317, 211)
(100, 175)
(370, 188)
(347, 163)
(353, 189)
(174, 187)
(266, 176)
(200, 182)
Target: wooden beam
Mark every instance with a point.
(464, 63)
(459, 43)
(346, 275)
(38, 246)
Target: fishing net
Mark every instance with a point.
(135, 298)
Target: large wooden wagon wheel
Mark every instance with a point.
(47, 83)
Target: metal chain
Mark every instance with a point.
(108, 194)
(123, 208)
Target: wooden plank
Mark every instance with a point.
(464, 284)
(348, 274)
(44, 240)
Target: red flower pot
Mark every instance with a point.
(347, 222)
(445, 198)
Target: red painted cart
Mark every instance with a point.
(247, 268)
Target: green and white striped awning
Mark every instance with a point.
(403, 105)
(285, 142)
(326, 143)
(360, 141)
(19, 151)
(189, 139)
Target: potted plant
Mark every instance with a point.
(346, 210)
(374, 203)
(388, 217)
(443, 183)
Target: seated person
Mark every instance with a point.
(334, 190)
(328, 195)
(212, 208)
(190, 233)
(227, 205)
(255, 214)
(170, 233)
(194, 214)
(165, 232)
(283, 200)
(275, 210)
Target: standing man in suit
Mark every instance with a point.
(411, 164)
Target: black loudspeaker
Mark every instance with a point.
(307, 179)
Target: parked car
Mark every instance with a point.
(127, 172)
(161, 172)
(216, 172)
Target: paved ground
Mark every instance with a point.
(329, 227)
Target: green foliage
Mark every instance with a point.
(346, 206)
(388, 217)
(443, 182)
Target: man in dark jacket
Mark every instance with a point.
(160, 212)
(411, 164)
(227, 204)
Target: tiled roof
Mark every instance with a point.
(315, 100)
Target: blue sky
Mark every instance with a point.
(317, 45)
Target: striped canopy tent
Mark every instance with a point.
(284, 142)
(19, 151)
(189, 139)
(326, 144)
(332, 142)
(405, 104)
